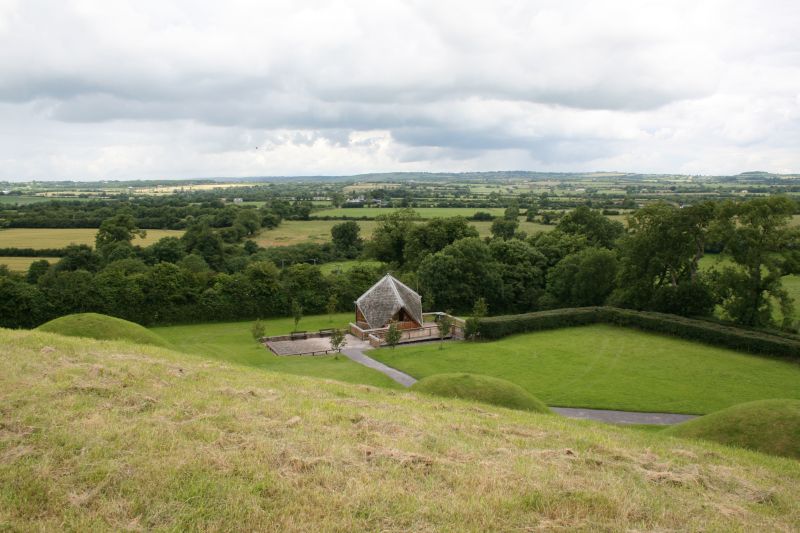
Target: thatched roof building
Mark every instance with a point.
(386, 301)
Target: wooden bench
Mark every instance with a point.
(295, 335)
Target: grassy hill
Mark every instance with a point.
(100, 435)
(479, 388)
(769, 426)
(609, 367)
(102, 327)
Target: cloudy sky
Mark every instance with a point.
(111, 89)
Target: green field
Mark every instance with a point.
(21, 264)
(424, 212)
(232, 342)
(39, 238)
(23, 200)
(608, 367)
(344, 266)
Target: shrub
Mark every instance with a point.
(747, 340)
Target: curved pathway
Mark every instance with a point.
(356, 354)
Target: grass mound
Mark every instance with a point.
(484, 389)
(110, 436)
(768, 426)
(102, 327)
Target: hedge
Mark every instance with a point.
(31, 252)
(746, 340)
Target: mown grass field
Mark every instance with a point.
(232, 342)
(344, 266)
(112, 436)
(38, 238)
(21, 264)
(607, 367)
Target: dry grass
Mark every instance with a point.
(114, 436)
(39, 238)
(21, 264)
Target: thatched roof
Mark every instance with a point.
(380, 303)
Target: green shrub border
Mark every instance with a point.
(745, 340)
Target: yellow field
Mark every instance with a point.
(39, 238)
(297, 231)
(21, 264)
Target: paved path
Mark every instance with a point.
(356, 353)
(623, 417)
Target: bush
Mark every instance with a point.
(480, 388)
(746, 340)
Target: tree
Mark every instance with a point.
(433, 236)
(36, 270)
(338, 340)
(461, 273)
(599, 230)
(390, 236)
(167, 249)
(522, 272)
(660, 254)
(393, 335)
(330, 308)
(297, 313)
(472, 326)
(445, 325)
(581, 279)
(258, 330)
(249, 220)
(757, 237)
(120, 228)
(504, 229)
(511, 212)
(346, 239)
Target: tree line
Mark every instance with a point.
(220, 273)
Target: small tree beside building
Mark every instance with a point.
(393, 335)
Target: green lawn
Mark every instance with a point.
(232, 342)
(344, 266)
(608, 367)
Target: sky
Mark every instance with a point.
(109, 89)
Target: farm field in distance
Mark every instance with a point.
(21, 264)
(424, 212)
(40, 238)
(608, 367)
(232, 342)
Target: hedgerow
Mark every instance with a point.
(752, 341)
